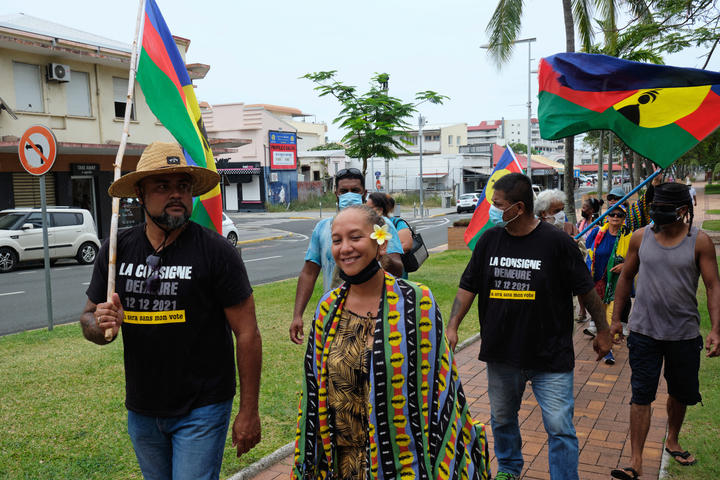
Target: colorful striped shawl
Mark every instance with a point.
(419, 424)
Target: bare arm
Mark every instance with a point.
(306, 284)
(461, 305)
(405, 239)
(596, 308)
(95, 319)
(392, 262)
(248, 352)
(624, 285)
(705, 251)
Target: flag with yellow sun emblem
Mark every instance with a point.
(661, 112)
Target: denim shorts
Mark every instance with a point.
(682, 364)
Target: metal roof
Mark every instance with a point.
(28, 23)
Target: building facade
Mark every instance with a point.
(266, 170)
(74, 83)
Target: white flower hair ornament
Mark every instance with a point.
(380, 234)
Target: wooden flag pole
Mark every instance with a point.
(112, 245)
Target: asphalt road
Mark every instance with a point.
(22, 292)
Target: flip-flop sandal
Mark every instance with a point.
(623, 474)
(677, 455)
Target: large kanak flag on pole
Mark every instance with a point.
(169, 92)
(661, 112)
(480, 220)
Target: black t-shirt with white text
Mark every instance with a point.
(178, 346)
(525, 287)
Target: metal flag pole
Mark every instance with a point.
(112, 244)
(619, 202)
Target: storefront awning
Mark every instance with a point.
(240, 171)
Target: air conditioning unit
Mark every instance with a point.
(58, 72)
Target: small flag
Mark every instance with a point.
(169, 93)
(480, 220)
(660, 112)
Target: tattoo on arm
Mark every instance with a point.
(596, 309)
(456, 308)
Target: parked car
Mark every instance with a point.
(467, 202)
(229, 230)
(71, 234)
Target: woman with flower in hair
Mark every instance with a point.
(381, 394)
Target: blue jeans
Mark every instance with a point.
(178, 448)
(554, 394)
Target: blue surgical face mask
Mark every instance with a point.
(496, 216)
(349, 198)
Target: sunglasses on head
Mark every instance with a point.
(152, 282)
(347, 172)
(616, 214)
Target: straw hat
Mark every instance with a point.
(162, 158)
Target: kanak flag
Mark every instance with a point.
(169, 93)
(661, 112)
(480, 220)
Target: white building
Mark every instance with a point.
(75, 83)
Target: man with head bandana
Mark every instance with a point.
(668, 259)
(349, 190)
(182, 294)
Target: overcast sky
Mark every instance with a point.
(258, 49)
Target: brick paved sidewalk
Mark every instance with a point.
(602, 416)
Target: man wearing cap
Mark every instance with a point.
(181, 290)
(668, 258)
(349, 190)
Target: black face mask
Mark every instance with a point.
(664, 215)
(363, 275)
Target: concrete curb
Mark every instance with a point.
(265, 462)
(263, 239)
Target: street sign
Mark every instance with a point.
(37, 150)
(577, 172)
(377, 174)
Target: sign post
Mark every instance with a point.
(37, 150)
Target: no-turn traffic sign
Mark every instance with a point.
(37, 150)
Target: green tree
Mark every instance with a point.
(679, 24)
(504, 28)
(375, 122)
(328, 146)
(522, 148)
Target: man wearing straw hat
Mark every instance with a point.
(180, 291)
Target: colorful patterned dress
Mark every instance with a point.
(418, 426)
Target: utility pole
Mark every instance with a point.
(385, 85)
(528, 169)
(421, 124)
(529, 105)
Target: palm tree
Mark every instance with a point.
(504, 28)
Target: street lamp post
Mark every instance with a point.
(529, 102)
(421, 124)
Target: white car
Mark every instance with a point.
(467, 202)
(71, 234)
(229, 230)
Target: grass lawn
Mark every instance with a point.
(62, 413)
(713, 212)
(712, 188)
(713, 225)
(701, 429)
